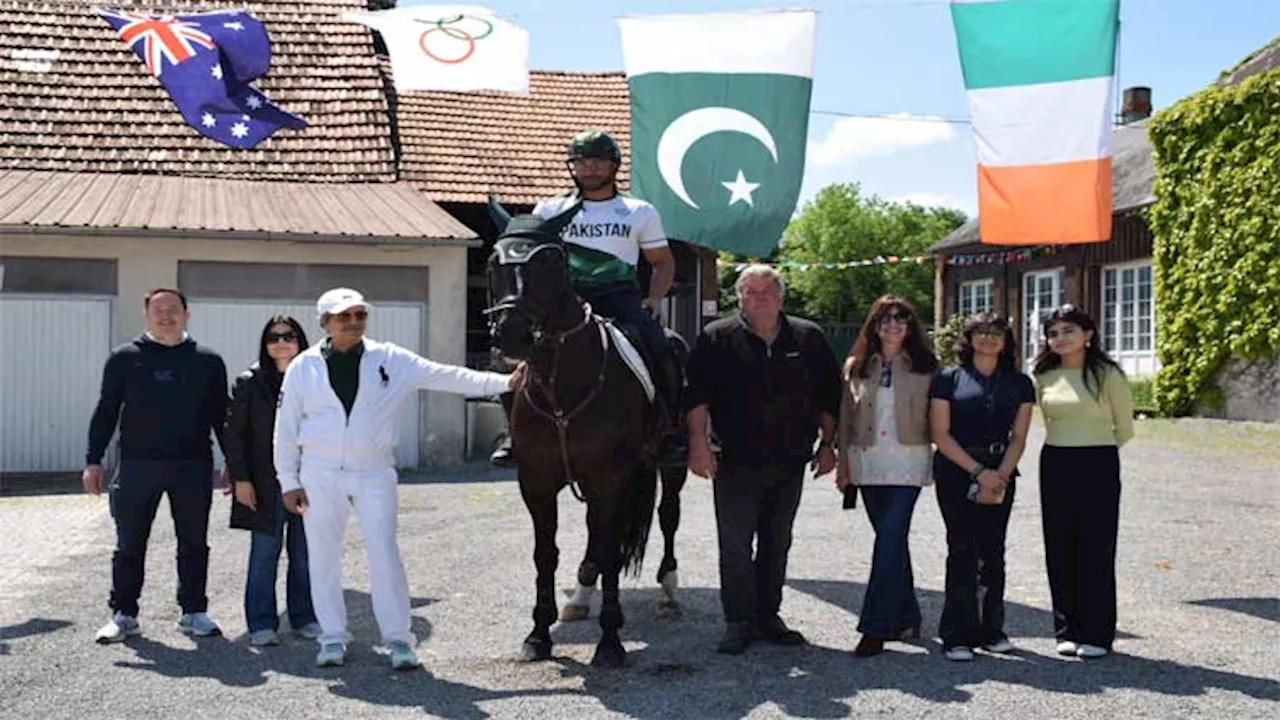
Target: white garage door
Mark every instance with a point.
(51, 360)
(233, 328)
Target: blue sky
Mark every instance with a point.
(891, 57)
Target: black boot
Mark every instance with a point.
(502, 456)
(674, 448)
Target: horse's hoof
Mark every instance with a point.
(535, 650)
(609, 657)
(574, 613)
(669, 609)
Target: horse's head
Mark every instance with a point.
(528, 274)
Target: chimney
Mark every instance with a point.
(1136, 105)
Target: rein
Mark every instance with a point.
(557, 414)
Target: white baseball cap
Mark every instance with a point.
(339, 300)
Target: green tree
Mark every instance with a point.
(841, 225)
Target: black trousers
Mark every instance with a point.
(755, 504)
(973, 612)
(1080, 509)
(135, 497)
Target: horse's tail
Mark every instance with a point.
(636, 516)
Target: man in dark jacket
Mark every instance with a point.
(769, 383)
(257, 505)
(167, 393)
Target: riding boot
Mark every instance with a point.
(502, 456)
(674, 447)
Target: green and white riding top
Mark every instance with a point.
(606, 236)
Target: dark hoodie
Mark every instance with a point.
(172, 397)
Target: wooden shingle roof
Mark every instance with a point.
(458, 147)
(78, 99)
(60, 202)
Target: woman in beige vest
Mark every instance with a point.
(885, 451)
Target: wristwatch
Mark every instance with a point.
(976, 471)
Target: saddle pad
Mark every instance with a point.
(632, 358)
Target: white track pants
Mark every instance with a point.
(373, 494)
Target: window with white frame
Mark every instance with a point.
(976, 296)
(1128, 309)
(1042, 291)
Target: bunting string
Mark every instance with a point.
(987, 258)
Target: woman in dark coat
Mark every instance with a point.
(257, 506)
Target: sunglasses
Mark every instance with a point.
(989, 332)
(289, 336)
(352, 315)
(895, 317)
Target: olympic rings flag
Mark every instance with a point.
(460, 48)
(719, 122)
(1038, 74)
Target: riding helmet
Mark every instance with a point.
(594, 143)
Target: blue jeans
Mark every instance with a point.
(889, 604)
(264, 558)
(622, 303)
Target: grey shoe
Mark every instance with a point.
(198, 624)
(331, 655)
(263, 638)
(310, 631)
(402, 656)
(120, 627)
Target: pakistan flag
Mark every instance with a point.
(719, 120)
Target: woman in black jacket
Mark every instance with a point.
(257, 506)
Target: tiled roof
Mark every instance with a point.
(94, 107)
(1133, 173)
(458, 147)
(1265, 59)
(33, 201)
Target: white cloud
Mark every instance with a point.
(931, 199)
(852, 138)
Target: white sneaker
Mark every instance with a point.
(120, 627)
(263, 638)
(331, 655)
(1068, 648)
(959, 654)
(402, 656)
(1090, 652)
(1000, 646)
(310, 631)
(198, 624)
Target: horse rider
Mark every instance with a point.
(605, 240)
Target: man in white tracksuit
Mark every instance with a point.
(334, 438)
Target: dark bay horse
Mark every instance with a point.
(583, 419)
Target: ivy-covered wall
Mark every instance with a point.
(1217, 227)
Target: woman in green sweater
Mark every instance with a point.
(1088, 415)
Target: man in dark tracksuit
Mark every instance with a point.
(167, 393)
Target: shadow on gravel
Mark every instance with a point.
(233, 662)
(1020, 620)
(1263, 608)
(420, 689)
(27, 628)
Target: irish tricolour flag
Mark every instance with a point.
(1039, 80)
(719, 119)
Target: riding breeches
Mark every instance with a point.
(623, 305)
(374, 496)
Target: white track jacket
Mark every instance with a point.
(313, 431)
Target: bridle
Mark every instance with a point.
(537, 318)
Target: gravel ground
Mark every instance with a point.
(1198, 612)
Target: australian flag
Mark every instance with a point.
(206, 62)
